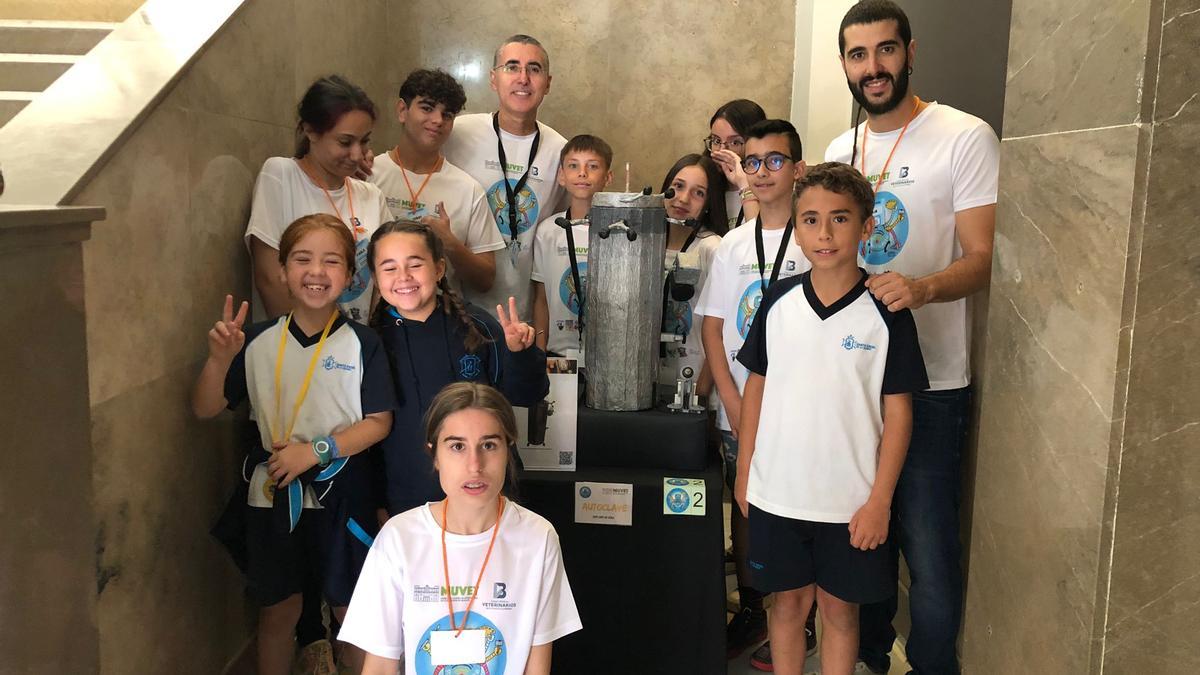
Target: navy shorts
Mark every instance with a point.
(786, 554)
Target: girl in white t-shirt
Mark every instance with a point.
(472, 583)
(696, 219)
(726, 145)
(333, 134)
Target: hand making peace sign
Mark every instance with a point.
(226, 338)
(518, 335)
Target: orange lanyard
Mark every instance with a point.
(414, 196)
(446, 564)
(866, 130)
(355, 228)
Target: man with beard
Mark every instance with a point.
(515, 158)
(934, 170)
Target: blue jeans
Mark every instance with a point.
(925, 524)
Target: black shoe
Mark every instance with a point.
(747, 628)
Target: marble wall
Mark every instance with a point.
(178, 193)
(645, 76)
(1086, 511)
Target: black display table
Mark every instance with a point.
(651, 595)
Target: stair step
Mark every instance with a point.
(32, 72)
(12, 102)
(52, 37)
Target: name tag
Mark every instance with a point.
(469, 648)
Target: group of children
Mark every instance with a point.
(428, 385)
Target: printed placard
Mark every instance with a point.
(551, 445)
(684, 497)
(604, 503)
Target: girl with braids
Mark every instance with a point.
(433, 338)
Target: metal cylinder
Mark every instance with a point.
(623, 314)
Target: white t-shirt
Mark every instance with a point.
(679, 318)
(524, 599)
(283, 193)
(470, 219)
(948, 161)
(734, 289)
(472, 146)
(552, 268)
(817, 446)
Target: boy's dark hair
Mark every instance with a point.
(436, 85)
(741, 113)
(842, 179)
(588, 143)
(783, 127)
(872, 11)
(521, 39)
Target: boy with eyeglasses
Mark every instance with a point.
(749, 259)
(515, 158)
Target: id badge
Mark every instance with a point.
(469, 648)
(514, 251)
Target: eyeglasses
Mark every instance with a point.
(531, 69)
(715, 143)
(773, 160)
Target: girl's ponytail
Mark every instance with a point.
(452, 303)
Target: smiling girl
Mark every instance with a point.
(696, 221)
(433, 339)
(321, 388)
(332, 138)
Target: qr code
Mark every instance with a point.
(566, 458)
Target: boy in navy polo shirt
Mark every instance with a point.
(824, 436)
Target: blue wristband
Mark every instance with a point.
(325, 450)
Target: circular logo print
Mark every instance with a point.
(495, 649)
(676, 481)
(678, 500)
(890, 232)
(748, 307)
(527, 207)
(585, 492)
(567, 292)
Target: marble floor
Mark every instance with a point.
(741, 665)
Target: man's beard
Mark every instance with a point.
(899, 92)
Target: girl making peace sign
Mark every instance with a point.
(433, 339)
(321, 387)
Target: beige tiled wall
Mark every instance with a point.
(1085, 514)
(645, 76)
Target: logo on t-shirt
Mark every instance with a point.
(495, 648)
(330, 363)
(469, 367)
(748, 306)
(567, 293)
(849, 343)
(499, 590)
(527, 207)
(890, 233)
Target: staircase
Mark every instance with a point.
(34, 54)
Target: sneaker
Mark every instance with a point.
(746, 628)
(761, 658)
(862, 668)
(317, 659)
